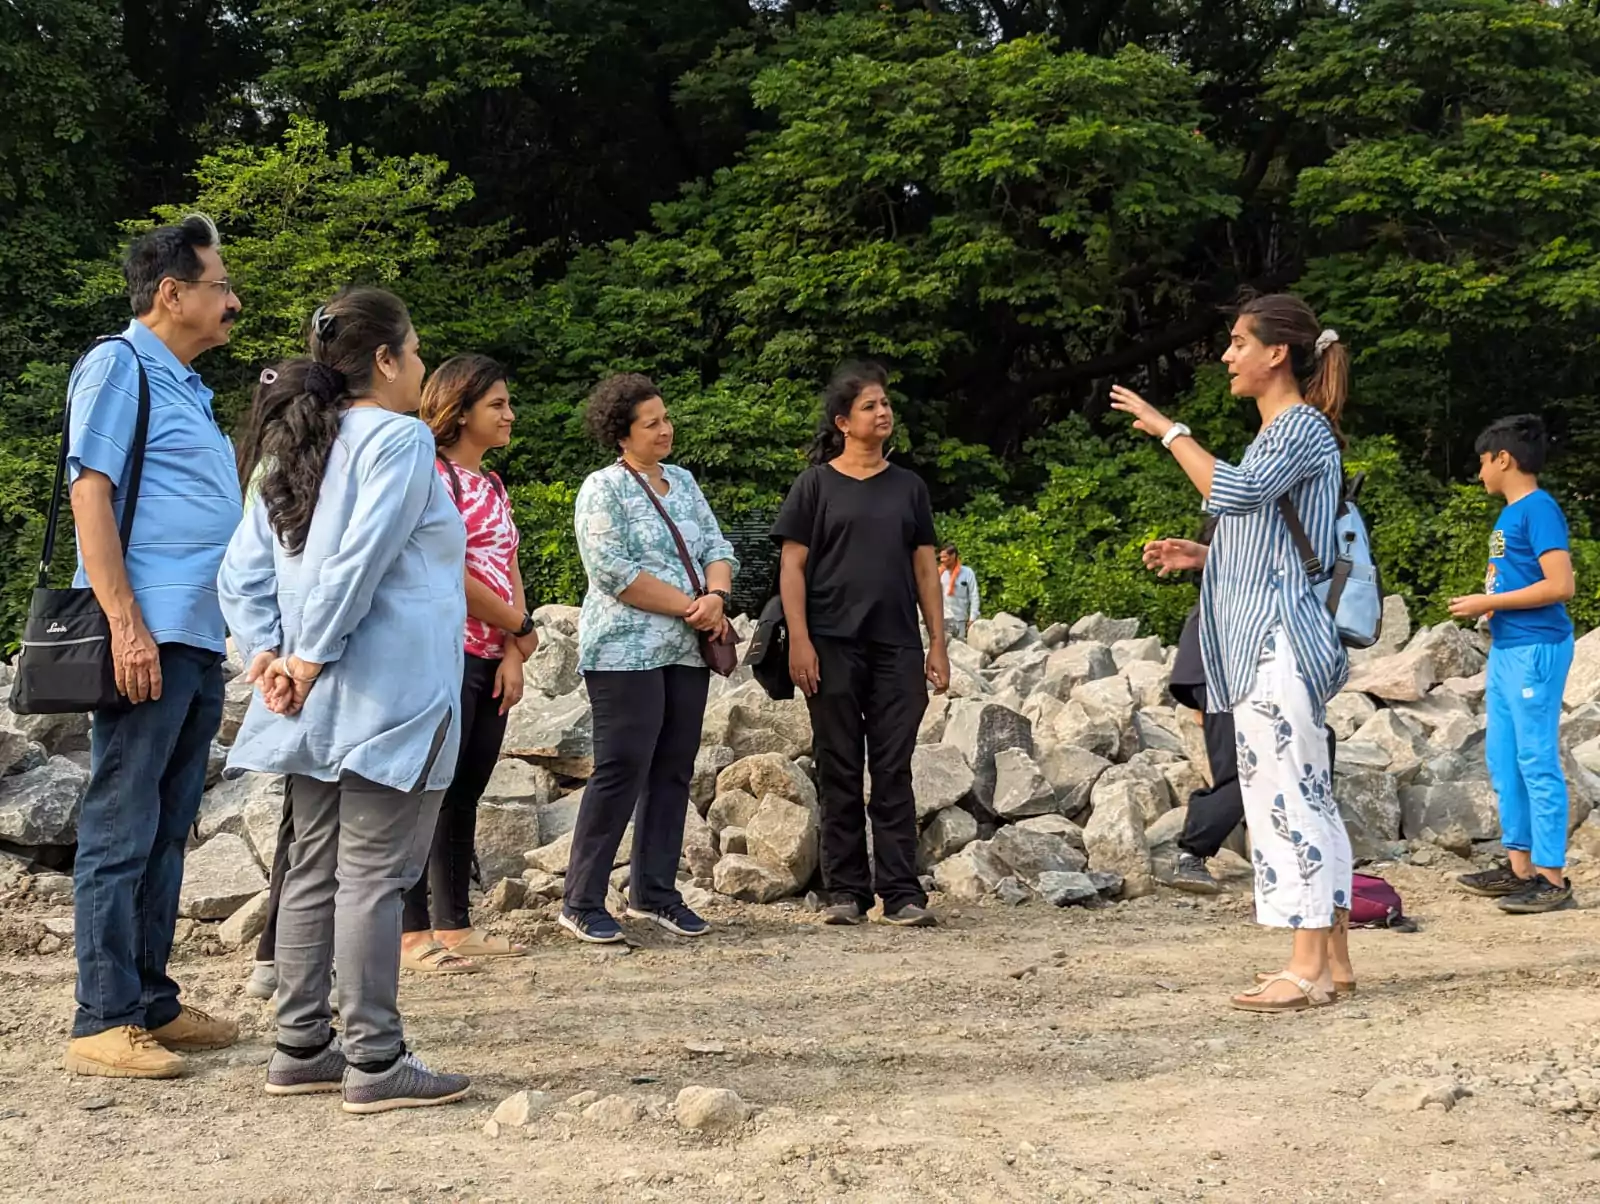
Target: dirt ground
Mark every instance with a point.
(1014, 1054)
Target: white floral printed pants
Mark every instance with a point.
(1297, 837)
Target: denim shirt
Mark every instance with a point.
(1254, 580)
(377, 597)
(620, 535)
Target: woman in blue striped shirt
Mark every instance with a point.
(1271, 652)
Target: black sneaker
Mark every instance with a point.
(1494, 883)
(1537, 896)
(597, 926)
(676, 917)
(1189, 873)
(911, 916)
(848, 912)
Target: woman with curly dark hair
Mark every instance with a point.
(343, 589)
(638, 649)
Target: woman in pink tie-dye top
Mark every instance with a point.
(468, 407)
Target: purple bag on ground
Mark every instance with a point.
(1376, 904)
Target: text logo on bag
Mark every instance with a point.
(56, 629)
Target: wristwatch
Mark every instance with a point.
(526, 628)
(1176, 431)
(723, 594)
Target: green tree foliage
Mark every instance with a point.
(1013, 202)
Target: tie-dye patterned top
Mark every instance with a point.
(620, 535)
(492, 542)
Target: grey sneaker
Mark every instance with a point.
(1189, 873)
(406, 1084)
(848, 912)
(287, 1075)
(263, 981)
(911, 916)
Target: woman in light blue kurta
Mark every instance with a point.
(344, 591)
(1272, 653)
(638, 649)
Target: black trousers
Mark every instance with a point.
(646, 734)
(449, 875)
(1216, 810)
(871, 699)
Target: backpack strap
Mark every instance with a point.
(455, 479)
(1308, 555)
(130, 501)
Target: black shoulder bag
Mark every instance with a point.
(66, 666)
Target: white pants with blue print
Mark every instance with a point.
(1297, 837)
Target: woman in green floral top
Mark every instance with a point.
(638, 649)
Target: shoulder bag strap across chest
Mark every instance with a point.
(672, 527)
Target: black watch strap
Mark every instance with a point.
(723, 594)
(527, 625)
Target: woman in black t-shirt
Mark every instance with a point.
(858, 559)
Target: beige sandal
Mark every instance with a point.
(433, 958)
(1339, 987)
(1311, 996)
(479, 943)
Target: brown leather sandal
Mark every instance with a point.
(479, 943)
(1311, 996)
(433, 958)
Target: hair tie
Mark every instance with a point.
(269, 376)
(323, 324)
(325, 383)
(1327, 339)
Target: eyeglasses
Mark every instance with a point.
(224, 285)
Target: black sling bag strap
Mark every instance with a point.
(66, 666)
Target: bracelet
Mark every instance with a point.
(1174, 432)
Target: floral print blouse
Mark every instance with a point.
(620, 535)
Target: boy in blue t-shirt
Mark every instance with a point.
(1525, 594)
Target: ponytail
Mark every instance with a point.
(838, 399)
(299, 404)
(1329, 385)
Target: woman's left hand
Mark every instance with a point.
(1145, 416)
(705, 613)
(938, 667)
(508, 682)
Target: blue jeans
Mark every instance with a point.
(1523, 701)
(148, 773)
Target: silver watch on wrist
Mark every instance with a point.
(1176, 431)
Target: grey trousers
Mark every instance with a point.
(358, 847)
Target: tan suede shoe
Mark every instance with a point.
(128, 1052)
(193, 1031)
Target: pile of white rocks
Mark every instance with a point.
(1057, 768)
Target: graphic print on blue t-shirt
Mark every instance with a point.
(1525, 531)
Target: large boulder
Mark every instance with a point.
(996, 635)
(1103, 629)
(1109, 700)
(1347, 712)
(556, 730)
(559, 816)
(980, 730)
(1065, 669)
(504, 833)
(1115, 839)
(1394, 634)
(731, 809)
(1583, 679)
(251, 807)
(1395, 736)
(1140, 786)
(1452, 816)
(1150, 683)
(554, 857)
(218, 878)
(931, 729)
(1146, 649)
(709, 763)
(1021, 789)
(769, 773)
(61, 735)
(1027, 853)
(747, 721)
(947, 833)
(553, 669)
(1158, 729)
(742, 877)
(236, 696)
(1056, 723)
(561, 619)
(40, 807)
(1369, 801)
(970, 874)
(1453, 650)
(15, 744)
(700, 853)
(1401, 677)
(940, 777)
(783, 835)
(517, 782)
(1019, 672)
(1072, 773)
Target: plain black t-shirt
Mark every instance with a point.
(861, 536)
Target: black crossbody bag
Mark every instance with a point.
(65, 666)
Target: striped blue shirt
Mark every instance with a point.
(1253, 577)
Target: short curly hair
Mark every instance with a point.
(611, 408)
